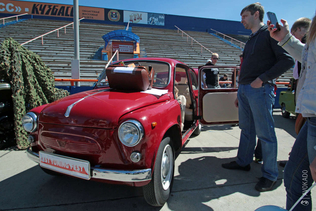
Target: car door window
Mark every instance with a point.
(216, 102)
(219, 77)
(194, 80)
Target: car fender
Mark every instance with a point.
(157, 120)
(38, 109)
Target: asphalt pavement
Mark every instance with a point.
(200, 183)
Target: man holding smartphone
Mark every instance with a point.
(263, 61)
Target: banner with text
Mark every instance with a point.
(48, 9)
(156, 19)
(144, 18)
(123, 47)
(135, 17)
(91, 13)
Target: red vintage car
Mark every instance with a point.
(130, 128)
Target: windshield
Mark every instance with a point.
(161, 77)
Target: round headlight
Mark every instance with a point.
(29, 122)
(130, 133)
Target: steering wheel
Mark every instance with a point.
(160, 81)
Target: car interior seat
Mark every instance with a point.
(182, 86)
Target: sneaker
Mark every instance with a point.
(264, 184)
(258, 160)
(234, 166)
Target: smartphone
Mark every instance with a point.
(272, 17)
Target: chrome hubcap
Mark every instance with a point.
(166, 167)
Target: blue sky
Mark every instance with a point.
(289, 10)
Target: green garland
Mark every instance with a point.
(32, 83)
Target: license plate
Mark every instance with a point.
(66, 165)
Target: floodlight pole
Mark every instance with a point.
(75, 63)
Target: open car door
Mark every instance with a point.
(217, 95)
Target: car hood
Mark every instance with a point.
(100, 108)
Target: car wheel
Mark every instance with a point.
(157, 192)
(52, 173)
(285, 114)
(197, 130)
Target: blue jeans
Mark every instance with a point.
(297, 176)
(258, 150)
(255, 118)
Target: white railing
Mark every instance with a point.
(193, 40)
(15, 16)
(230, 39)
(110, 61)
(127, 27)
(43, 35)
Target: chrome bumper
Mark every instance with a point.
(106, 174)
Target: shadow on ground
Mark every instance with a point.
(35, 190)
(204, 177)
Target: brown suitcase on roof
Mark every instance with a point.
(128, 78)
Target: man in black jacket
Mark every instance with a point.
(263, 61)
(211, 75)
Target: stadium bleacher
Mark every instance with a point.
(57, 52)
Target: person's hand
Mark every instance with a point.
(256, 83)
(313, 169)
(236, 102)
(276, 34)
